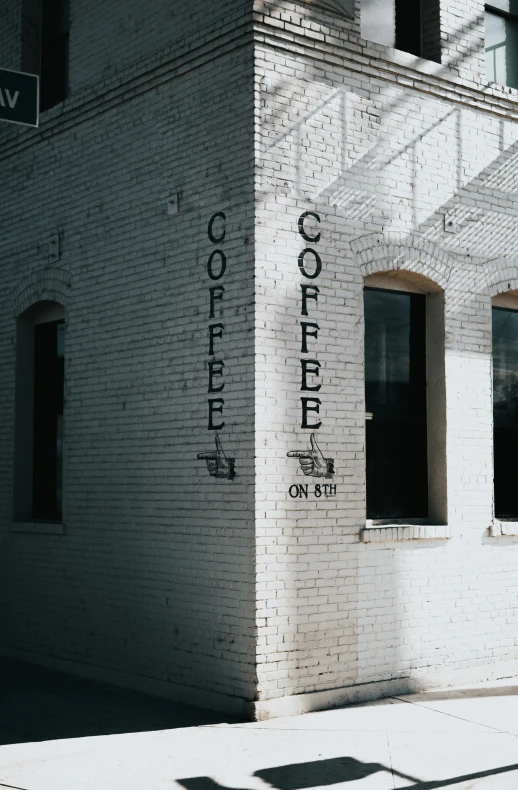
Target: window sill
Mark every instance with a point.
(37, 527)
(501, 528)
(381, 533)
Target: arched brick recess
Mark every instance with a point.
(43, 285)
(503, 276)
(375, 253)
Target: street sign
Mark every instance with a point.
(19, 97)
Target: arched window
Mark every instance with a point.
(505, 403)
(38, 456)
(405, 398)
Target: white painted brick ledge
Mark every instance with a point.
(391, 532)
(502, 528)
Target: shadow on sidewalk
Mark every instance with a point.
(320, 773)
(38, 704)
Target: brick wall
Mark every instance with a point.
(246, 587)
(11, 20)
(387, 156)
(153, 576)
(107, 38)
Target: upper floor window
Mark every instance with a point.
(502, 42)
(54, 52)
(409, 25)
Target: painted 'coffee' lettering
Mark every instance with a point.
(310, 266)
(210, 230)
(216, 267)
(310, 367)
(216, 295)
(311, 239)
(215, 405)
(307, 332)
(314, 426)
(215, 331)
(222, 265)
(302, 263)
(306, 295)
(215, 369)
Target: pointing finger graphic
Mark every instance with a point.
(214, 454)
(315, 450)
(218, 464)
(312, 461)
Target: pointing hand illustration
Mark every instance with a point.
(217, 462)
(312, 462)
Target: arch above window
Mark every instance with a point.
(43, 285)
(379, 252)
(402, 280)
(508, 299)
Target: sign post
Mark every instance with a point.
(19, 97)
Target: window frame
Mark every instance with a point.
(409, 282)
(509, 17)
(505, 302)
(42, 312)
(423, 27)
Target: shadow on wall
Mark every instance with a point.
(321, 773)
(354, 183)
(329, 145)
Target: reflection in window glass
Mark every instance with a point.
(409, 25)
(510, 6)
(501, 50)
(395, 395)
(505, 411)
(378, 21)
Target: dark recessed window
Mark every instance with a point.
(502, 42)
(505, 411)
(409, 25)
(54, 52)
(395, 394)
(38, 424)
(49, 354)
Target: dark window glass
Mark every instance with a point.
(54, 53)
(395, 394)
(505, 411)
(49, 354)
(408, 26)
(501, 46)
(508, 6)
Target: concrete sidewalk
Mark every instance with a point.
(460, 738)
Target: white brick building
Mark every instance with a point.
(220, 181)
